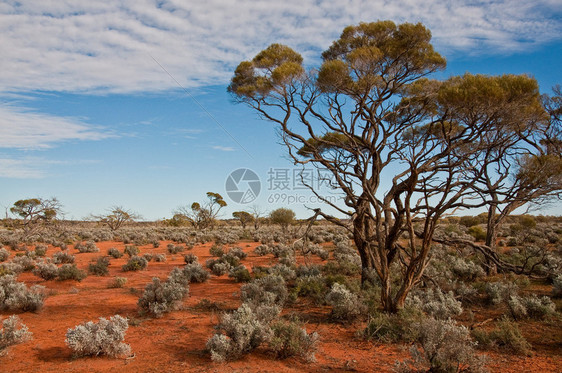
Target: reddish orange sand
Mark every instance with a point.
(176, 342)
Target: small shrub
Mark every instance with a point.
(102, 338)
(13, 332)
(10, 268)
(118, 282)
(262, 250)
(237, 252)
(216, 250)
(161, 297)
(47, 271)
(15, 296)
(88, 247)
(310, 286)
(268, 290)
(62, 257)
(498, 292)
(345, 304)
(283, 270)
(240, 274)
(40, 250)
(131, 250)
(505, 336)
(114, 252)
(222, 266)
(291, 339)
(477, 232)
(230, 259)
(530, 307)
(175, 249)
(445, 347)
(238, 333)
(435, 303)
(393, 328)
(70, 272)
(4, 254)
(100, 267)
(190, 258)
(135, 263)
(192, 273)
(160, 258)
(26, 263)
(465, 269)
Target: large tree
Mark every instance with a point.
(202, 215)
(116, 217)
(400, 147)
(523, 169)
(33, 213)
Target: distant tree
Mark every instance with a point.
(116, 217)
(203, 215)
(282, 216)
(258, 215)
(178, 220)
(244, 217)
(35, 212)
(400, 147)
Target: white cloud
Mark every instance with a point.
(224, 148)
(106, 46)
(20, 169)
(28, 130)
(34, 167)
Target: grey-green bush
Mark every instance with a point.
(498, 292)
(102, 338)
(15, 296)
(70, 272)
(506, 336)
(444, 347)
(345, 304)
(238, 333)
(530, 307)
(4, 254)
(161, 297)
(61, 257)
(88, 247)
(114, 252)
(40, 250)
(131, 250)
(268, 290)
(291, 339)
(13, 332)
(135, 263)
(47, 271)
(190, 273)
(435, 303)
(100, 267)
(240, 274)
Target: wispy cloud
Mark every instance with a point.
(20, 169)
(33, 167)
(106, 46)
(224, 148)
(21, 128)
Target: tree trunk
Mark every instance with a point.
(491, 238)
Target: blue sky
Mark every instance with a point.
(91, 111)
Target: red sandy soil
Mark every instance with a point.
(176, 342)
